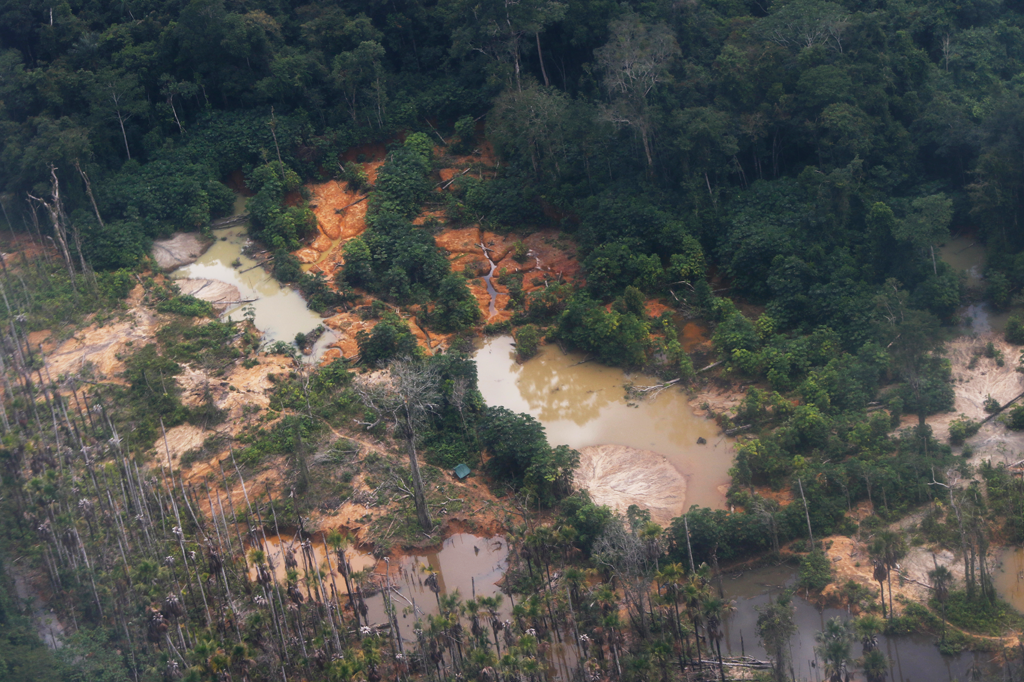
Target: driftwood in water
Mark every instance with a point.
(229, 221)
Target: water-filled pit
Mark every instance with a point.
(279, 311)
(583, 403)
(464, 562)
(967, 255)
(912, 658)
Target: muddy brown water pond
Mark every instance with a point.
(1009, 577)
(280, 312)
(913, 658)
(583, 403)
(464, 562)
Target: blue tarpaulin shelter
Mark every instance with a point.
(461, 471)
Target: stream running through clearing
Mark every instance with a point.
(280, 312)
(967, 255)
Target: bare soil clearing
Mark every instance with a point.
(620, 476)
(181, 249)
(102, 346)
(221, 294)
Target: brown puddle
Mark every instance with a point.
(465, 562)
(1009, 577)
(280, 312)
(582, 404)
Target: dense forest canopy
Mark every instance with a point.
(813, 149)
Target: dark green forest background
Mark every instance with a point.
(814, 149)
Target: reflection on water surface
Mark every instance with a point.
(280, 312)
(583, 403)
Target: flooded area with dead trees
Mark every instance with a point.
(912, 658)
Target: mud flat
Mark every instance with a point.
(181, 249)
(620, 476)
(220, 294)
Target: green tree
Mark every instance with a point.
(633, 62)
(942, 580)
(833, 646)
(775, 629)
(390, 338)
(456, 307)
(527, 342)
(927, 225)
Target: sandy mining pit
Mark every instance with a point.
(220, 294)
(181, 249)
(620, 476)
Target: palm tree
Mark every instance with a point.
(833, 646)
(775, 628)
(672, 578)
(875, 665)
(942, 580)
(651, 535)
(868, 627)
(880, 574)
(889, 548)
(715, 610)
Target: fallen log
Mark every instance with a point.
(258, 265)
(997, 412)
(714, 364)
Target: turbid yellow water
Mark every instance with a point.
(280, 312)
(1009, 577)
(585, 404)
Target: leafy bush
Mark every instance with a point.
(527, 342)
(186, 306)
(815, 571)
(519, 251)
(1015, 330)
(981, 616)
(1015, 418)
(961, 429)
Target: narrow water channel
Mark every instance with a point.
(491, 291)
(967, 256)
(583, 403)
(280, 312)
